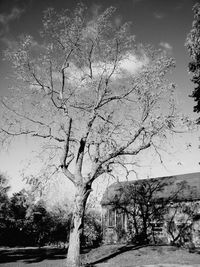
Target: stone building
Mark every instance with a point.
(159, 210)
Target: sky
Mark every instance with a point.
(161, 23)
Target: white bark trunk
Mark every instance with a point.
(73, 256)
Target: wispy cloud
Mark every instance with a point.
(79, 78)
(158, 15)
(6, 18)
(166, 46)
(131, 63)
(178, 7)
(180, 4)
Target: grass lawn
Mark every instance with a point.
(162, 256)
(112, 256)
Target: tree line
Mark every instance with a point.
(26, 222)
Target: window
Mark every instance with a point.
(117, 218)
(111, 218)
(121, 219)
(157, 226)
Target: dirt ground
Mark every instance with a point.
(105, 256)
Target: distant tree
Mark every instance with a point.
(40, 223)
(19, 204)
(79, 90)
(61, 221)
(193, 46)
(26, 223)
(4, 184)
(5, 213)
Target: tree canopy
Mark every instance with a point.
(193, 46)
(90, 90)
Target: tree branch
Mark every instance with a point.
(23, 116)
(89, 60)
(64, 162)
(121, 150)
(83, 141)
(32, 133)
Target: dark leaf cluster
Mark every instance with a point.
(24, 222)
(193, 46)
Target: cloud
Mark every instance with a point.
(6, 18)
(180, 4)
(132, 64)
(80, 77)
(14, 14)
(178, 7)
(158, 15)
(166, 46)
(129, 65)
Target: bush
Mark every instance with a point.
(92, 234)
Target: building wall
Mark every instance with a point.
(178, 222)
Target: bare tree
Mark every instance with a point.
(181, 217)
(146, 203)
(93, 94)
(179, 223)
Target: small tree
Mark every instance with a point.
(145, 203)
(193, 46)
(180, 222)
(181, 218)
(79, 89)
(154, 205)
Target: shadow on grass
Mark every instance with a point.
(126, 248)
(31, 255)
(90, 257)
(34, 255)
(114, 254)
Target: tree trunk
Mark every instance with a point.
(144, 232)
(73, 256)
